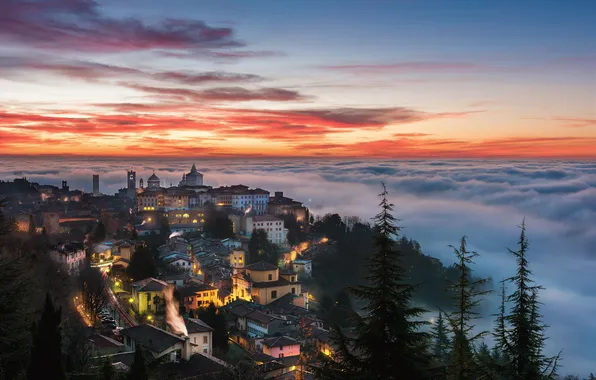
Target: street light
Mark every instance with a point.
(131, 300)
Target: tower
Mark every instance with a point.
(141, 183)
(132, 184)
(95, 185)
(64, 186)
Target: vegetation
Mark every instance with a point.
(93, 291)
(466, 294)
(99, 233)
(261, 249)
(218, 225)
(386, 342)
(46, 352)
(216, 320)
(138, 369)
(142, 264)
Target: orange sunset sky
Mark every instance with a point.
(310, 78)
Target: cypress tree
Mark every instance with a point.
(466, 294)
(138, 371)
(385, 342)
(46, 352)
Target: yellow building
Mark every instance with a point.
(263, 283)
(147, 295)
(237, 258)
(198, 295)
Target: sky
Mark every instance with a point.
(437, 201)
(377, 79)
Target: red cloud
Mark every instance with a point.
(575, 122)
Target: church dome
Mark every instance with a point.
(153, 178)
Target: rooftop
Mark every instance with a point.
(196, 326)
(151, 337)
(192, 289)
(102, 341)
(266, 218)
(198, 367)
(150, 285)
(261, 317)
(261, 266)
(287, 271)
(279, 341)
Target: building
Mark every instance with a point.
(178, 261)
(263, 283)
(200, 334)
(259, 324)
(148, 296)
(281, 346)
(237, 258)
(159, 343)
(279, 205)
(194, 178)
(103, 345)
(131, 189)
(303, 268)
(241, 198)
(95, 185)
(197, 295)
(153, 182)
(71, 255)
(276, 232)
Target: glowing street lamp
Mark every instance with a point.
(131, 300)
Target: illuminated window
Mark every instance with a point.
(202, 220)
(194, 221)
(185, 216)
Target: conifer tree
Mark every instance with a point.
(138, 371)
(466, 294)
(525, 336)
(46, 352)
(440, 345)
(107, 370)
(386, 342)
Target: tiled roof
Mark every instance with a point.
(261, 266)
(196, 326)
(279, 341)
(151, 337)
(261, 317)
(287, 271)
(101, 341)
(150, 285)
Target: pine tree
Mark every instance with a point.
(466, 294)
(440, 345)
(387, 343)
(526, 332)
(46, 352)
(138, 370)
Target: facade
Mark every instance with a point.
(303, 268)
(276, 233)
(255, 200)
(201, 336)
(259, 324)
(193, 178)
(237, 258)
(280, 347)
(72, 255)
(148, 295)
(159, 343)
(279, 205)
(95, 185)
(262, 283)
(196, 296)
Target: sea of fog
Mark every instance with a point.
(437, 202)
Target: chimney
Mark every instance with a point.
(186, 350)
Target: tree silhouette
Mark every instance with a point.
(46, 353)
(138, 370)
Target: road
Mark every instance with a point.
(119, 314)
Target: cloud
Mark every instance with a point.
(80, 25)
(225, 56)
(406, 67)
(438, 201)
(576, 122)
(219, 94)
(94, 71)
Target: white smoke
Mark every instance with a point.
(174, 234)
(173, 318)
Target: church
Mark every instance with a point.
(194, 178)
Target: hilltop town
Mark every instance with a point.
(237, 260)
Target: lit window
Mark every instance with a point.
(194, 221)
